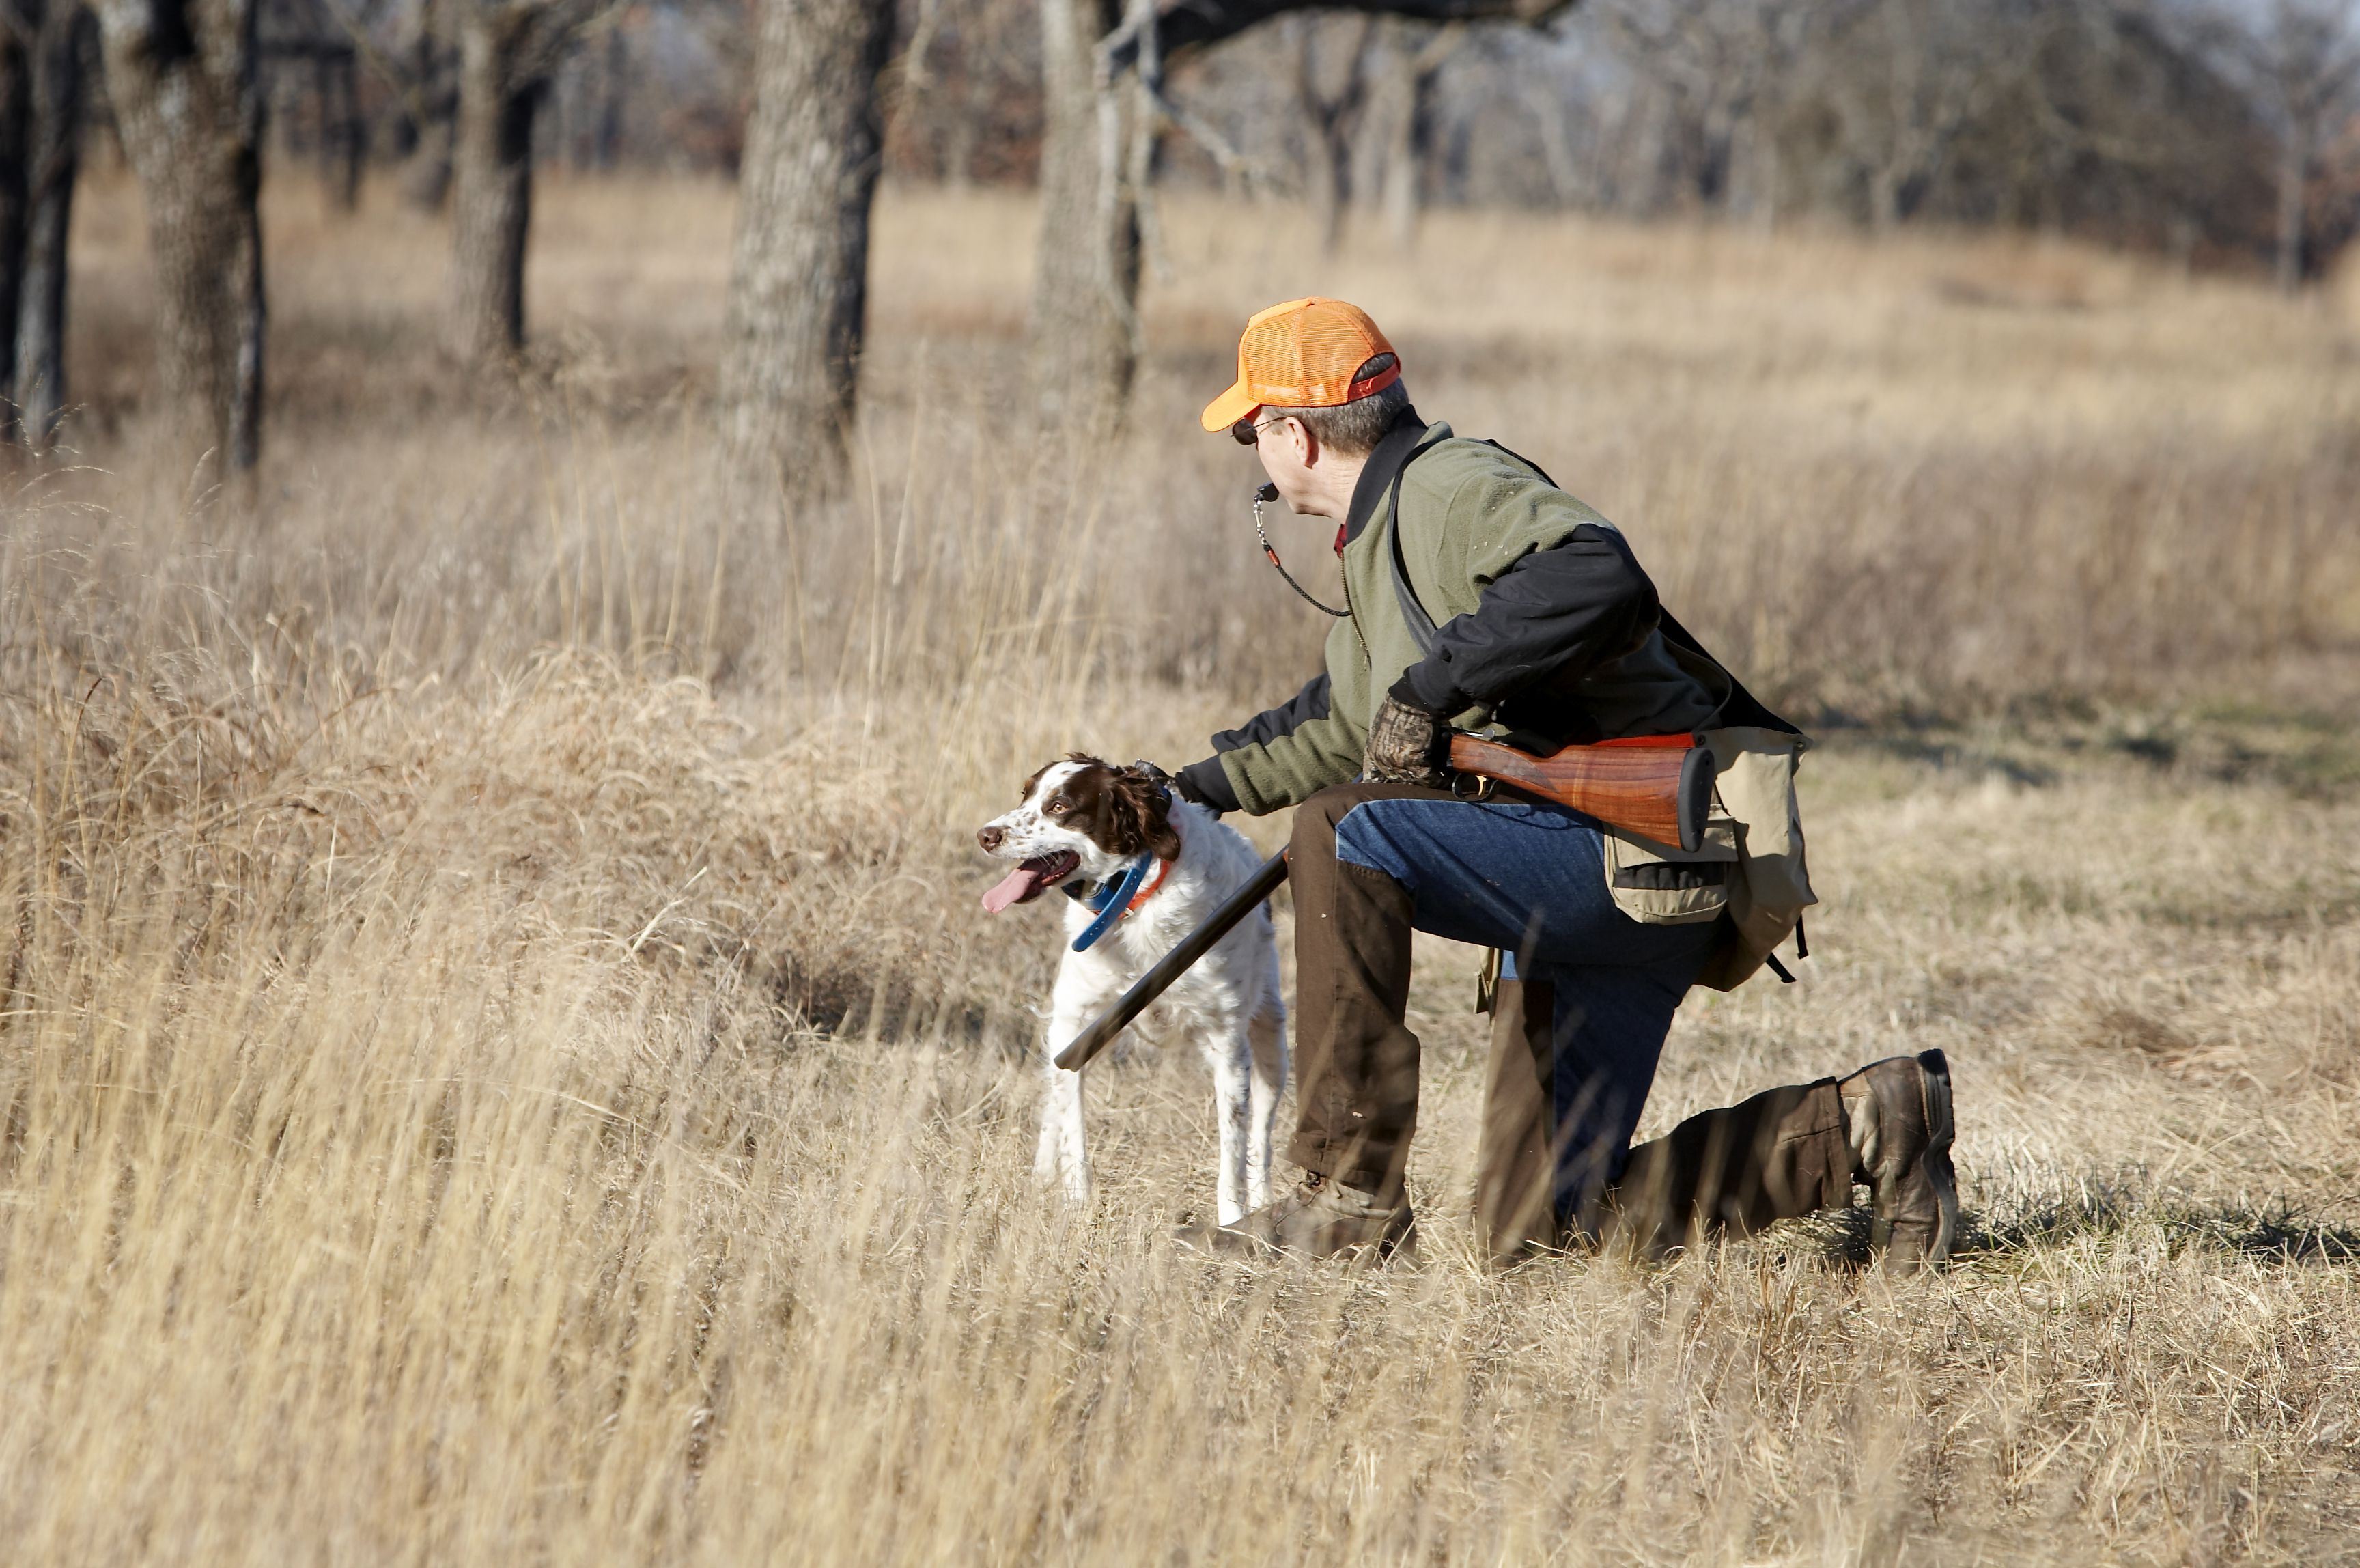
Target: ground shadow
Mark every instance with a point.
(2279, 1231)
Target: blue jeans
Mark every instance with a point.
(1525, 877)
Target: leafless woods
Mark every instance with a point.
(2220, 132)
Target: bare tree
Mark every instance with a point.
(1333, 93)
(420, 72)
(798, 285)
(1726, 67)
(17, 51)
(1551, 117)
(967, 103)
(62, 37)
(1084, 328)
(426, 76)
(342, 138)
(2303, 59)
(613, 91)
(181, 81)
(507, 51)
(1103, 76)
(300, 39)
(1940, 62)
(1414, 54)
(2109, 118)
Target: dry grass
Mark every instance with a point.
(497, 1060)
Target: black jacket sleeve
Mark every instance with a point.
(1296, 711)
(1557, 613)
(1206, 784)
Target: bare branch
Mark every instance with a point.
(399, 80)
(1192, 24)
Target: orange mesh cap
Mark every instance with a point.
(1303, 355)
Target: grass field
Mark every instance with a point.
(499, 1059)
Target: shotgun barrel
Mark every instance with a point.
(1173, 965)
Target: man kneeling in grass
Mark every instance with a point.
(1479, 597)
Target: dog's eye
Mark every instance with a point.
(1056, 808)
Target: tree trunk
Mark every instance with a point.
(2292, 167)
(61, 46)
(1083, 329)
(426, 143)
(491, 170)
(181, 77)
(1332, 124)
(18, 45)
(1393, 106)
(1410, 133)
(341, 133)
(614, 82)
(798, 279)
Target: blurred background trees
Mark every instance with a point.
(45, 58)
(184, 84)
(798, 279)
(2222, 133)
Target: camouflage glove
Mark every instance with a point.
(1406, 745)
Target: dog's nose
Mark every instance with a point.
(991, 839)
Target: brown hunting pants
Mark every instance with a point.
(1733, 1171)
(1566, 1083)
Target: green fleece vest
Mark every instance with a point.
(1468, 512)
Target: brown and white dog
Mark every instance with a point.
(1081, 824)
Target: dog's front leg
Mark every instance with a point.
(1267, 1032)
(1226, 1054)
(1062, 1157)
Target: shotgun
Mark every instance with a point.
(1658, 786)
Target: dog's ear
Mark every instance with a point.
(1143, 813)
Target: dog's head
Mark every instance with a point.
(1081, 817)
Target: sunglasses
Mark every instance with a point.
(1245, 433)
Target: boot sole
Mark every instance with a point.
(1940, 1129)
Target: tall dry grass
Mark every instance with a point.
(498, 1060)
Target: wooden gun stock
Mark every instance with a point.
(1658, 786)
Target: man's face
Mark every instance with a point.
(1288, 453)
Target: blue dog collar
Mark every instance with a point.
(1112, 901)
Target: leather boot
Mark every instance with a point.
(1899, 1125)
(1356, 1062)
(1322, 1218)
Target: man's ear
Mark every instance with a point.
(1306, 445)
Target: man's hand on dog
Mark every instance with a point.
(1407, 744)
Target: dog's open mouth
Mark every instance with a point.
(1028, 880)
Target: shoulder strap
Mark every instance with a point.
(1421, 625)
(1536, 468)
(1385, 465)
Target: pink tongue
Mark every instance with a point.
(1015, 888)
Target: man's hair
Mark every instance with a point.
(1353, 429)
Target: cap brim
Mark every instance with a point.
(1229, 407)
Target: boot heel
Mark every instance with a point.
(1940, 1131)
(1937, 1068)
